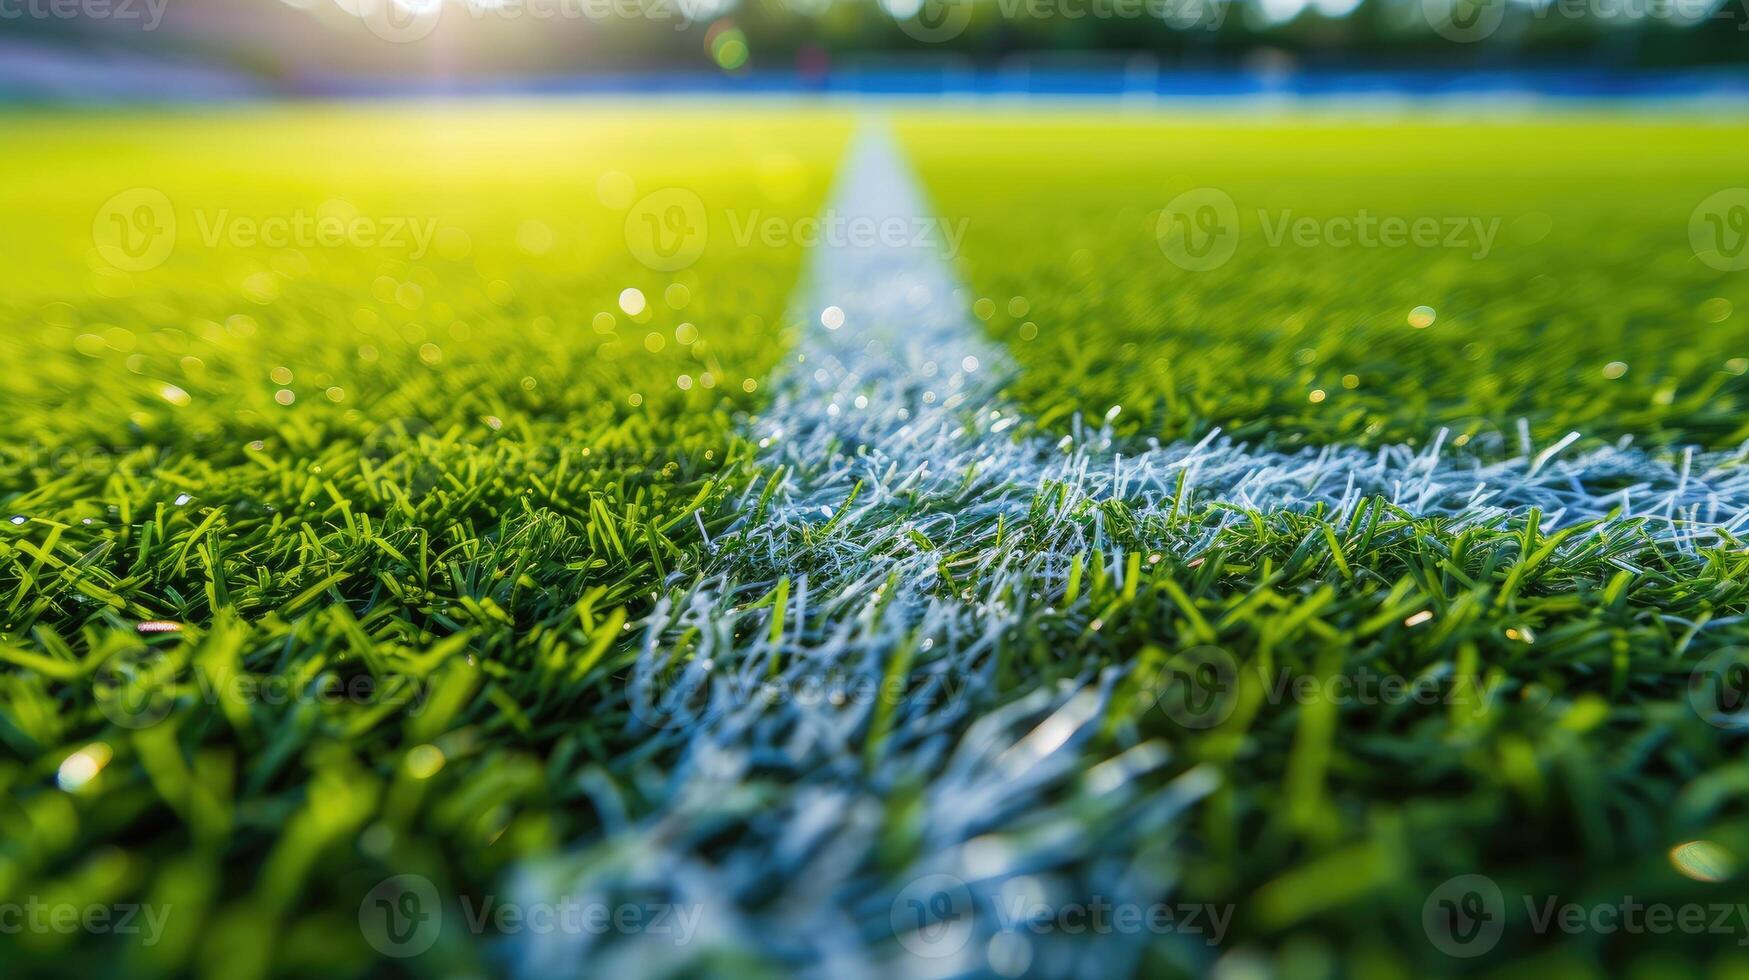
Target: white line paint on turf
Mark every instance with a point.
(773, 819)
(904, 472)
(903, 398)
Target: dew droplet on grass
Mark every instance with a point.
(424, 761)
(83, 766)
(1703, 860)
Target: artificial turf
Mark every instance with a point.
(456, 475)
(1578, 303)
(334, 463)
(1590, 312)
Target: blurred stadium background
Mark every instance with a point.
(102, 50)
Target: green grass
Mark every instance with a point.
(1561, 756)
(1587, 763)
(485, 467)
(1590, 264)
(487, 470)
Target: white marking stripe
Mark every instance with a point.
(907, 333)
(899, 408)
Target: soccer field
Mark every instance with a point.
(901, 539)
